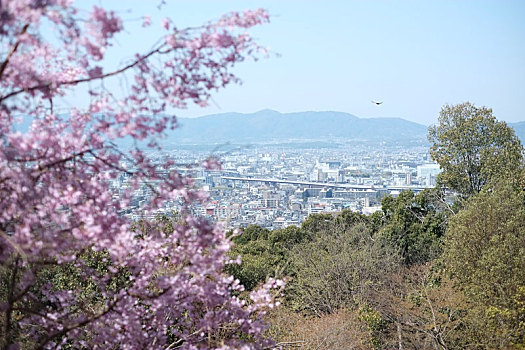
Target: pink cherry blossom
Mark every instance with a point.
(57, 201)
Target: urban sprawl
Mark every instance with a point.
(275, 187)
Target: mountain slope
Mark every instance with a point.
(519, 129)
(270, 126)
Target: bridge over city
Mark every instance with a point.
(326, 184)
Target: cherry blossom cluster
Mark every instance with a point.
(55, 204)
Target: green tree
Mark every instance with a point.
(485, 252)
(337, 268)
(473, 148)
(414, 225)
(264, 253)
(317, 222)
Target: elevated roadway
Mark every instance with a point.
(325, 184)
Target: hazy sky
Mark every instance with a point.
(415, 56)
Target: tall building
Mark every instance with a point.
(427, 173)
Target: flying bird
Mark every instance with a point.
(377, 103)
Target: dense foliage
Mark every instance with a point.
(441, 269)
(473, 148)
(485, 252)
(73, 271)
(414, 224)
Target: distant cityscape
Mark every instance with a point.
(276, 187)
(286, 166)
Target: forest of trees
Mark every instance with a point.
(441, 269)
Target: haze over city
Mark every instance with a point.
(414, 56)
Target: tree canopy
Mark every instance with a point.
(473, 148)
(485, 253)
(414, 224)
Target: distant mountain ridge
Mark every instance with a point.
(519, 129)
(272, 126)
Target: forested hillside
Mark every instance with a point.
(441, 269)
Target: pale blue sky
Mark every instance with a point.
(339, 55)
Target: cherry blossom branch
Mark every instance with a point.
(84, 80)
(56, 183)
(12, 51)
(63, 160)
